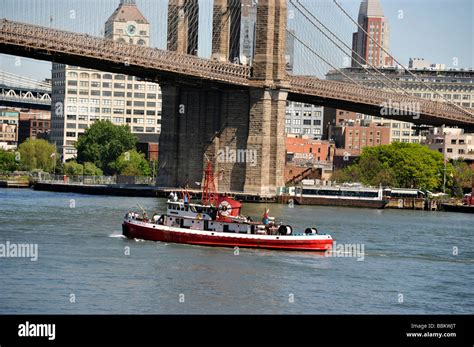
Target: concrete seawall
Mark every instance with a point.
(137, 191)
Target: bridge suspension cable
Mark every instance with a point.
(322, 58)
(305, 9)
(394, 59)
(21, 81)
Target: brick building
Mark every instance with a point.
(34, 124)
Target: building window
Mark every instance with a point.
(449, 150)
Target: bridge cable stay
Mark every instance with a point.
(23, 81)
(322, 58)
(305, 62)
(235, 30)
(394, 59)
(189, 16)
(305, 9)
(341, 49)
(231, 19)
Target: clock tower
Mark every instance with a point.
(128, 25)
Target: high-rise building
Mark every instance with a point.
(373, 21)
(81, 96)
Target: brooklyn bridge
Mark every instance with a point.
(212, 104)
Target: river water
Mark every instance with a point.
(414, 262)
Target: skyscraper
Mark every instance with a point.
(373, 21)
(81, 96)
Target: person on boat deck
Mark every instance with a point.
(265, 216)
(186, 200)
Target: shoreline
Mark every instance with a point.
(137, 190)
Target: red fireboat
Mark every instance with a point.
(216, 221)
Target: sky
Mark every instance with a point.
(441, 31)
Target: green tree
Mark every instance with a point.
(407, 165)
(8, 160)
(91, 170)
(37, 154)
(72, 168)
(103, 143)
(461, 177)
(132, 163)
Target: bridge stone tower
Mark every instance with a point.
(240, 130)
(183, 24)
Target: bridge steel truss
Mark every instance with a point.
(160, 65)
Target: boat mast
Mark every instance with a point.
(209, 195)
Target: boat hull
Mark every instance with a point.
(341, 202)
(153, 232)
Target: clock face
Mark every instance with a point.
(131, 29)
